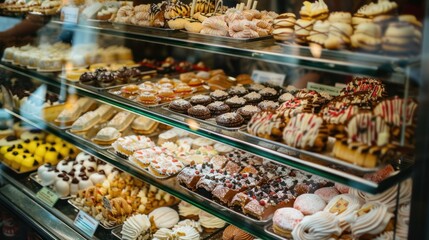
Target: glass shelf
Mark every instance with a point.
(233, 138)
(343, 62)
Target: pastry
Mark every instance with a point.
(202, 142)
(283, 27)
(215, 26)
(200, 100)
(268, 93)
(167, 136)
(343, 206)
(164, 217)
(306, 131)
(267, 105)
(183, 90)
(165, 165)
(237, 91)
(230, 120)
(285, 97)
(219, 95)
(210, 222)
(253, 98)
(309, 204)
(401, 38)
(367, 37)
(339, 35)
(374, 9)
(234, 233)
(166, 95)
(143, 125)
(121, 120)
(188, 211)
(143, 157)
(105, 112)
(223, 148)
(285, 220)
(327, 193)
(33, 134)
(321, 225)
(199, 111)
(126, 146)
(319, 33)
(267, 125)
(106, 136)
(302, 30)
(218, 108)
(85, 122)
(148, 98)
(248, 111)
(136, 226)
(314, 11)
(180, 106)
(235, 102)
(255, 87)
(244, 79)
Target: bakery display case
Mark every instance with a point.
(171, 120)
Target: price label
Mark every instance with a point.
(334, 91)
(268, 77)
(106, 204)
(47, 196)
(86, 223)
(70, 14)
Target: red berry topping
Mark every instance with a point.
(262, 203)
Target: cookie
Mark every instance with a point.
(180, 105)
(267, 105)
(268, 93)
(235, 102)
(237, 91)
(199, 111)
(248, 111)
(218, 107)
(219, 95)
(230, 120)
(253, 98)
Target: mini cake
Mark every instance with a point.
(126, 146)
(267, 105)
(253, 98)
(268, 93)
(201, 100)
(235, 102)
(237, 91)
(218, 108)
(248, 111)
(230, 120)
(167, 136)
(166, 165)
(199, 111)
(180, 106)
(219, 95)
(285, 220)
(148, 98)
(309, 204)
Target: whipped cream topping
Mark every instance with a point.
(386, 236)
(321, 226)
(343, 206)
(312, 9)
(190, 223)
(135, 226)
(186, 233)
(163, 234)
(371, 218)
(186, 209)
(164, 217)
(403, 221)
(373, 9)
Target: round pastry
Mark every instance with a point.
(183, 90)
(230, 120)
(199, 111)
(256, 87)
(188, 211)
(164, 217)
(200, 100)
(321, 225)
(130, 90)
(219, 95)
(268, 93)
(186, 233)
(223, 148)
(47, 177)
(98, 177)
(234, 233)
(267, 105)
(105, 79)
(253, 98)
(248, 111)
(285, 97)
(84, 182)
(209, 222)
(218, 108)
(237, 91)
(327, 193)
(180, 105)
(135, 226)
(309, 203)
(88, 78)
(62, 187)
(166, 95)
(285, 220)
(148, 98)
(343, 206)
(235, 102)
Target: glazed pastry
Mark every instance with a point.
(105, 112)
(143, 125)
(285, 220)
(309, 204)
(106, 136)
(199, 111)
(230, 120)
(164, 217)
(180, 106)
(321, 225)
(267, 125)
(306, 131)
(121, 120)
(327, 193)
(267, 105)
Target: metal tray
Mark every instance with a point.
(204, 235)
(147, 30)
(223, 208)
(269, 230)
(35, 177)
(211, 38)
(102, 223)
(324, 157)
(210, 121)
